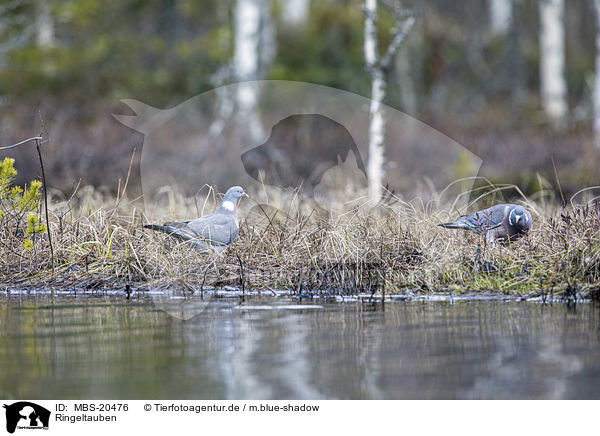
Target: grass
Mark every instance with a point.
(99, 244)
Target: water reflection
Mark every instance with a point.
(107, 347)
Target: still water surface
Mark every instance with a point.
(108, 347)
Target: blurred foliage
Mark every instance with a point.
(99, 49)
(166, 50)
(463, 80)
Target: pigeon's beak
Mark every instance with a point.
(243, 195)
(518, 218)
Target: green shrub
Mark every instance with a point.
(19, 207)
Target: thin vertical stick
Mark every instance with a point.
(383, 292)
(39, 151)
(119, 194)
(242, 278)
(564, 203)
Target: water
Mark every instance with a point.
(108, 347)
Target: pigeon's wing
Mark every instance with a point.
(180, 230)
(500, 212)
(217, 228)
(487, 219)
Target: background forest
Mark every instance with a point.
(474, 70)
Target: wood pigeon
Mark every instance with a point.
(505, 222)
(215, 231)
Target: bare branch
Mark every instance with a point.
(45, 191)
(35, 138)
(398, 35)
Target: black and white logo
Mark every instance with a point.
(26, 415)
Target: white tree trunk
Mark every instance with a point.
(254, 49)
(375, 171)
(552, 62)
(377, 121)
(500, 16)
(295, 12)
(596, 95)
(371, 55)
(377, 66)
(45, 25)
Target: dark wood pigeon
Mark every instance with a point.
(503, 222)
(215, 231)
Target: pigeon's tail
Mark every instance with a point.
(456, 225)
(169, 230)
(165, 229)
(154, 227)
(179, 233)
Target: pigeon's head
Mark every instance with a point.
(232, 196)
(520, 218)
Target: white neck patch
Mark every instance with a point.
(228, 205)
(511, 218)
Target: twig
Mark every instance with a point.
(65, 209)
(39, 151)
(564, 203)
(242, 278)
(204, 279)
(35, 138)
(383, 292)
(119, 195)
(399, 34)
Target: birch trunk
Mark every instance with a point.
(295, 12)
(254, 49)
(377, 67)
(375, 170)
(552, 62)
(377, 121)
(500, 16)
(45, 25)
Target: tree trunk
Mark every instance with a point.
(375, 170)
(516, 69)
(45, 25)
(552, 62)
(377, 121)
(295, 12)
(500, 16)
(377, 67)
(254, 50)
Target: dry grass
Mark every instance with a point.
(100, 245)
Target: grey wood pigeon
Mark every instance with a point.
(503, 222)
(215, 231)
